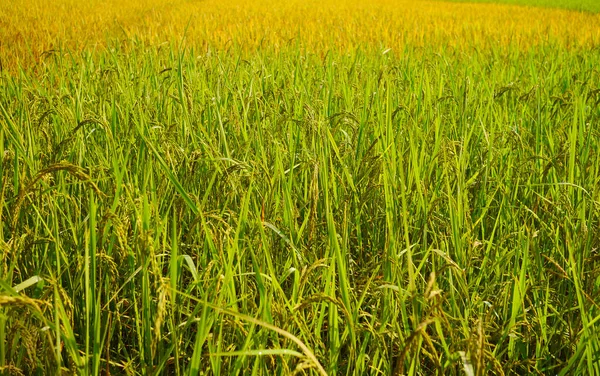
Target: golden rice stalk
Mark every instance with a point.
(72, 169)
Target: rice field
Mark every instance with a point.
(576, 5)
(388, 187)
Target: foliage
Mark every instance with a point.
(421, 205)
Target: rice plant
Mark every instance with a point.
(176, 203)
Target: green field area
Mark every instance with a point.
(578, 5)
(186, 208)
(362, 204)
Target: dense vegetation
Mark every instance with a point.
(577, 5)
(175, 208)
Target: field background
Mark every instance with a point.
(33, 32)
(326, 187)
(577, 5)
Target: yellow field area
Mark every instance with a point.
(30, 28)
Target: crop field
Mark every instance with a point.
(269, 187)
(577, 5)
